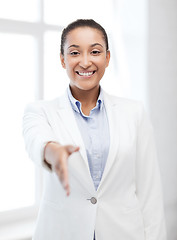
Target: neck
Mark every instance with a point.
(86, 97)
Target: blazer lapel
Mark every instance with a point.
(66, 115)
(111, 109)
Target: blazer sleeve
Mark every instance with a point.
(148, 181)
(37, 132)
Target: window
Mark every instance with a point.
(17, 175)
(21, 10)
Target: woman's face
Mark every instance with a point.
(85, 57)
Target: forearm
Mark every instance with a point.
(37, 132)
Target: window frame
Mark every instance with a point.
(27, 215)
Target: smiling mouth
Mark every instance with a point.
(85, 74)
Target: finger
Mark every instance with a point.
(65, 179)
(59, 172)
(61, 169)
(72, 149)
(66, 186)
(64, 182)
(67, 189)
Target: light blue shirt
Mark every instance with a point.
(95, 134)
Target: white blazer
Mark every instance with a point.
(129, 198)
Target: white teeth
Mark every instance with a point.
(85, 73)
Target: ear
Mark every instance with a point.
(108, 55)
(62, 61)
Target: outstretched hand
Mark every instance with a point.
(57, 156)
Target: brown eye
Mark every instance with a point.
(95, 52)
(74, 53)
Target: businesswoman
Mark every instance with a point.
(102, 179)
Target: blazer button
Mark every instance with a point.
(93, 200)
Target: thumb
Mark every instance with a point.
(71, 149)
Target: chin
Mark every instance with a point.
(84, 85)
(87, 87)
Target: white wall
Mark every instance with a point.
(149, 33)
(162, 90)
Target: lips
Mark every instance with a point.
(85, 74)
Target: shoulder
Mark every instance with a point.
(129, 110)
(42, 106)
(123, 104)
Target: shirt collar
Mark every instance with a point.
(76, 105)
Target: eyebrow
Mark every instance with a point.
(92, 45)
(95, 44)
(73, 45)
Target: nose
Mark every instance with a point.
(85, 61)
